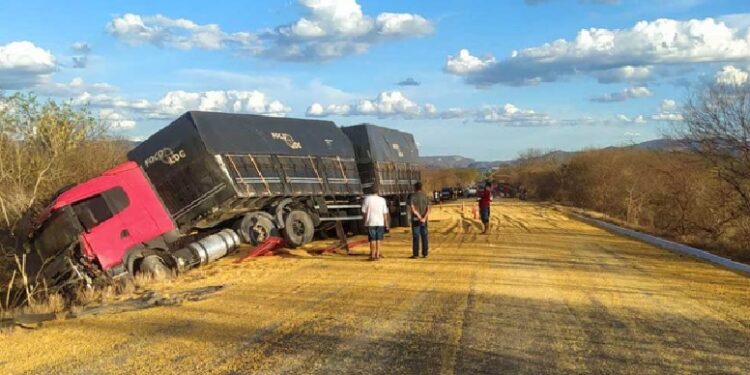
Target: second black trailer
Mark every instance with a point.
(388, 162)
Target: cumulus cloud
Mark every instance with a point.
(634, 120)
(511, 115)
(729, 75)
(668, 105)
(255, 102)
(408, 82)
(179, 33)
(669, 111)
(335, 28)
(627, 73)
(22, 64)
(626, 94)
(464, 63)
(386, 104)
(115, 120)
(396, 104)
(667, 116)
(75, 87)
(596, 51)
(328, 29)
(174, 103)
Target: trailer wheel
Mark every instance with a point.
(154, 266)
(256, 227)
(298, 228)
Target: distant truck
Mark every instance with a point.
(388, 161)
(207, 182)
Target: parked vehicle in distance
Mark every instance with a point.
(470, 191)
(446, 194)
(195, 190)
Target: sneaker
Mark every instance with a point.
(424, 256)
(413, 257)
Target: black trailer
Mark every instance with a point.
(267, 173)
(388, 161)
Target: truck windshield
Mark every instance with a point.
(57, 233)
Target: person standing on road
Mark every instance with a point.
(485, 200)
(375, 211)
(420, 209)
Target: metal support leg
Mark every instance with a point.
(341, 234)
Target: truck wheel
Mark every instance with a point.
(154, 266)
(256, 227)
(298, 228)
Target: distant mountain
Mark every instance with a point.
(456, 161)
(660, 144)
(447, 161)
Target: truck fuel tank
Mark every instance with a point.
(207, 249)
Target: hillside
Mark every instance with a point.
(457, 161)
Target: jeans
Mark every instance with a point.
(419, 230)
(484, 214)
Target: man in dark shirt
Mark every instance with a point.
(485, 200)
(420, 209)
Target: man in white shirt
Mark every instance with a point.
(375, 211)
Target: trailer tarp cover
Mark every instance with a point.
(375, 143)
(229, 133)
(205, 160)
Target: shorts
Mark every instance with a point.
(375, 233)
(484, 214)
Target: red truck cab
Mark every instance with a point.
(106, 215)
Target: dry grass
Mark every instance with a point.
(41, 149)
(672, 194)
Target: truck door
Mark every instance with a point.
(105, 234)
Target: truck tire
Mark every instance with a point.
(154, 266)
(256, 227)
(298, 228)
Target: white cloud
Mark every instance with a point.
(335, 28)
(174, 103)
(626, 94)
(595, 51)
(635, 120)
(105, 100)
(669, 111)
(627, 73)
(115, 120)
(464, 63)
(729, 75)
(255, 102)
(402, 25)
(512, 115)
(666, 116)
(22, 64)
(386, 104)
(396, 104)
(177, 33)
(75, 87)
(668, 105)
(328, 29)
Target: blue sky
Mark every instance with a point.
(586, 73)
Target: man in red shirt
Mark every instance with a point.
(485, 200)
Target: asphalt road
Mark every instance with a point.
(541, 294)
